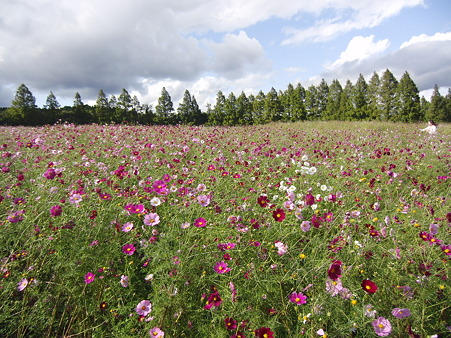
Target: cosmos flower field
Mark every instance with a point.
(282, 230)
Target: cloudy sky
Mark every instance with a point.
(204, 46)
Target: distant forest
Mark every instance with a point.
(383, 98)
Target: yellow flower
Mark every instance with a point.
(302, 256)
(353, 302)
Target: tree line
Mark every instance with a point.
(382, 98)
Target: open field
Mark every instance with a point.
(287, 230)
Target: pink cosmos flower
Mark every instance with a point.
(22, 284)
(124, 281)
(281, 248)
(203, 200)
(382, 326)
(200, 222)
(89, 277)
(156, 333)
(369, 311)
(221, 267)
(151, 219)
(127, 227)
(128, 249)
(334, 287)
(305, 226)
(298, 298)
(400, 313)
(144, 308)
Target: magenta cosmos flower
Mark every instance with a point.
(156, 332)
(135, 208)
(143, 308)
(89, 277)
(382, 326)
(56, 210)
(200, 222)
(151, 219)
(298, 298)
(213, 300)
(221, 267)
(128, 249)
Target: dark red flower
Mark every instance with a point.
(278, 215)
(334, 271)
(263, 201)
(264, 332)
(369, 286)
(230, 323)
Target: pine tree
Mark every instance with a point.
(164, 108)
(185, 114)
(389, 97)
(231, 115)
(374, 98)
(311, 103)
(333, 108)
(23, 107)
(346, 105)
(323, 93)
(244, 110)
(409, 100)
(102, 108)
(293, 103)
(124, 108)
(258, 106)
(217, 114)
(360, 99)
(51, 109)
(80, 112)
(437, 108)
(272, 110)
(448, 106)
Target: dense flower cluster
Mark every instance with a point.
(256, 231)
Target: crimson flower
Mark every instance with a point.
(263, 201)
(334, 271)
(230, 323)
(264, 332)
(369, 286)
(278, 215)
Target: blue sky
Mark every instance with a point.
(210, 45)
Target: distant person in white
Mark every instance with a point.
(431, 128)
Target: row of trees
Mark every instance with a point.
(382, 98)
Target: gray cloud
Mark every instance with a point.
(112, 45)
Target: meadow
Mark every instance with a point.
(311, 229)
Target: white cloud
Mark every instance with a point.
(360, 48)
(426, 38)
(348, 15)
(427, 63)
